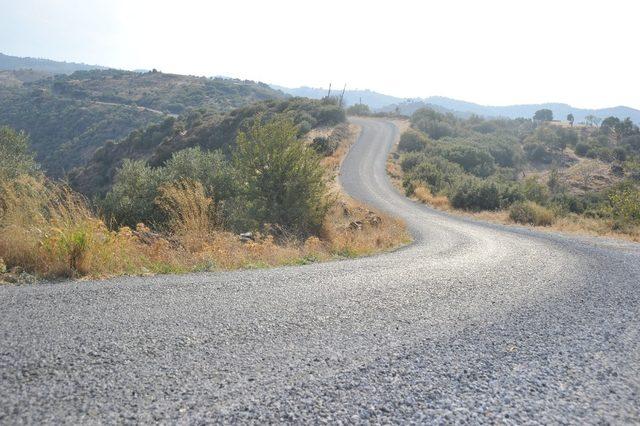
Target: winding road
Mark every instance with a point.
(473, 322)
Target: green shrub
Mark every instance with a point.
(358, 109)
(330, 115)
(476, 161)
(15, 157)
(438, 173)
(281, 179)
(324, 145)
(131, 199)
(412, 141)
(476, 194)
(411, 160)
(625, 205)
(531, 213)
(581, 149)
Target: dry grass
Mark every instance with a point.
(48, 230)
(423, 194)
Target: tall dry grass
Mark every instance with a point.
(50, 231)
(423, 194)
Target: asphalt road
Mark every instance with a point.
(472, 323)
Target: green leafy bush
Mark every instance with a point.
(411, 141)
(625, 205)
(476, 194)
(15, 157)
(281, 179)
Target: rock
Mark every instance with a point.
(9, 278)
(356, 225)
(373, 219)
(145, 235)
(245, 237)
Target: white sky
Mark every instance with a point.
(585, 53)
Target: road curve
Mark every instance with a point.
(473, 322)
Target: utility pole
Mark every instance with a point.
(342, 95)
(329, 94)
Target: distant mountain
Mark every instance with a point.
(375, 100)
(560, 111)
(9, 63)
(386, 103)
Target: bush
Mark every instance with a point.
(330, 115)
(581, 149)
(475, 194)
(536, 152)
(531, 213)
(358, 109)
(15, 158)
(324, 145)
(438, 173)
(625, 205)
(412, 141)
(282, 181)
(411, 160)
(474, 160)
(131, 200)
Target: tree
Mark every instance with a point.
(15, 156)
(359, 109)
(570, 119)
(543, 115)
(618, 128)
(281, 179)
(592, 120)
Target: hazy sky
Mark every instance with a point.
(585, 53)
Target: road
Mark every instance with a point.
(472, 322)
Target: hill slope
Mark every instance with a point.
(69, 116)
(208, 130)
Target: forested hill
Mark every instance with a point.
(8, 63)
(207, 130)
(69, 116)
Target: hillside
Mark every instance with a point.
(207, 130)
(69, 116)
(43, 65)
(169, 93)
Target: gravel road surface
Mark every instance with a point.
(473, 322)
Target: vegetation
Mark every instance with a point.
(69, 117)
(209, 131)
(15, 157)
(185, 214)
(542, 173)
(358, 109)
